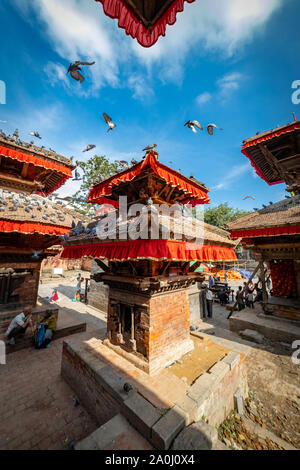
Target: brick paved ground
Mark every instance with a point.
(36, 406)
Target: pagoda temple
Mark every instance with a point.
(149, 276)
(273, 233)
(30, 222)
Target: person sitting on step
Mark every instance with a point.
(18, 326)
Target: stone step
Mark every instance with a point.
(116, 434)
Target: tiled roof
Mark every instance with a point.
(208, 233)
(41, 152)
(286, 212)
(23, 207)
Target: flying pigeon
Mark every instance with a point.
(193, 124)
(36, 254)
(35, 134)
(249, 197)
(89, 147)
(109, 122)
(74, 70)
(210, 128)
(149, 147)
(77, 176)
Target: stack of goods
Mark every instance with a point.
(232, 275)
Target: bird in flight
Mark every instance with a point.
(89, 147)
(193, 124)
(249, 197)
(211, 127)
(35, 134)
(74, 70)
(109, 122)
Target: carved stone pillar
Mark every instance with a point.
(132, 340)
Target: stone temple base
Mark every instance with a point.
(153, 367)
(159, 406)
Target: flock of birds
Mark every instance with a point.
(75, 70)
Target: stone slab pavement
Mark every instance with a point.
(36, 405)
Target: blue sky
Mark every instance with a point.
(223, 61)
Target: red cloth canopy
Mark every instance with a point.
(170, 250)
(127, 20)
(283, 279)
(30, 228)
(169, 175)
(266, 232)
(265, 138)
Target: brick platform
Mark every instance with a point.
(159, 406)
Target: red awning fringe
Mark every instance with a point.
(259, 140)
(127, 20)
(170, 176)
(158, 250)
(266, 232)
(7, 226)
(25, 157)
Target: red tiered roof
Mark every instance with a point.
(251, 143)
(192, 190)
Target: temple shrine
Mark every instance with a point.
(149, 277)
(30, 222)
(273, 233)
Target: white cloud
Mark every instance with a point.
(78, 29)
(231, 176)
(208, 26)
(203, 98)
(141, 89)
(228, 84)
(56, 73)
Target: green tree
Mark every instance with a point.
(222, 214)
(96, 168)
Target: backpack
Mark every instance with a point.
(39, 337)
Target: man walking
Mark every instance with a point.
(79, 281)
(19, 325)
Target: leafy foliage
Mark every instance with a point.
(97, 166)
(222, 214)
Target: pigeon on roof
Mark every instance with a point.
(149, 147)
(74, 70)
(109, 122)
(89, 147)
(193, 124)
